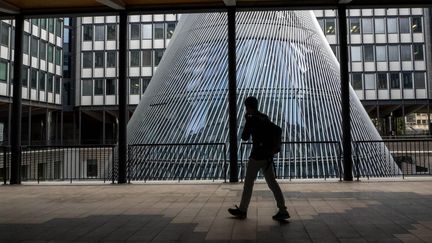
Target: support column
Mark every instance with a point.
(232, 88)
(122, 98)
(17, 105)
(346, 120)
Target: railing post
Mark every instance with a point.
(225, 163)
(345, 93)
(4, 166)
(113, 164)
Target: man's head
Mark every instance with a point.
(251, 104)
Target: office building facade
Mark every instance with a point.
(390, 62)
(96, 59)
(41, 79)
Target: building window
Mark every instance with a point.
(58, 58)
(367, 26)
(147, 59)
(50, 53)
(34, 47)
(393, 53)
(134, 86)
(99, 32)
(382, 80)
(87, 87)
(110, 86)
(88, 32)
(394, 81)
(419, 80)
(59, 28)
(87, 60)
(111, 32)
(42, 50)
(35, 22)
(42, 76)
(379, 26)
(334, 49)
(407, 80)
(321, 23)
(135, 31)
(392, 26)
(356, 81)
(24, 72)
(405, 52)
(170, 30)
(51, 25)
(158, 56)
(98, 86)
(159, 31)
(26, 39)
(57, 85)
(418, 52)
(355, 26)
(92, 168)
(416, 25)
(381, 55)
(41, 171)
(356, 54)
(43, 23)
(33, 79)
(147, 31)
(368, 53)
(111, 58)
(134, 58)
(369, 81)
(3, 71)
(99, 59)
(145, 83)
(50, 83)
(330, 27)
(4, 33)
(404, 25)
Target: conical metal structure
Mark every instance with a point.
(284, 60)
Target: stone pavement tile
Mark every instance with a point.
(408, 238)
(352, 240)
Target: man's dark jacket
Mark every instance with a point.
(255, 126)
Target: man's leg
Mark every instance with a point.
(251, 174)
(274, 187)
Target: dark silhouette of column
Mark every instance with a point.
(17, 104)
(346, 119)
(232, 88)
(122, 98)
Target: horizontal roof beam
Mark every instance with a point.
(8, 8)
(114, 4)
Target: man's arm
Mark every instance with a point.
(246, 130)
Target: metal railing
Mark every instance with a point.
(64, 163)
(177, 161)
(399, 157)
(313, 159)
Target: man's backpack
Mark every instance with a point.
(275, 134)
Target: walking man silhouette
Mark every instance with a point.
(260, 158)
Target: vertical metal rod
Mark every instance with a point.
(232, 88)
(4, 166)
(346, 120)
(122, 138)
(17, 105)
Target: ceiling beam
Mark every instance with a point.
(230, 3)
(114, 4)
(8, 8)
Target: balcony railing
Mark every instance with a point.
(208, 161)
(405, 157)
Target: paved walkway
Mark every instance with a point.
(321, 212)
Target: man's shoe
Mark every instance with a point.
(236, 212)
(281, 216)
